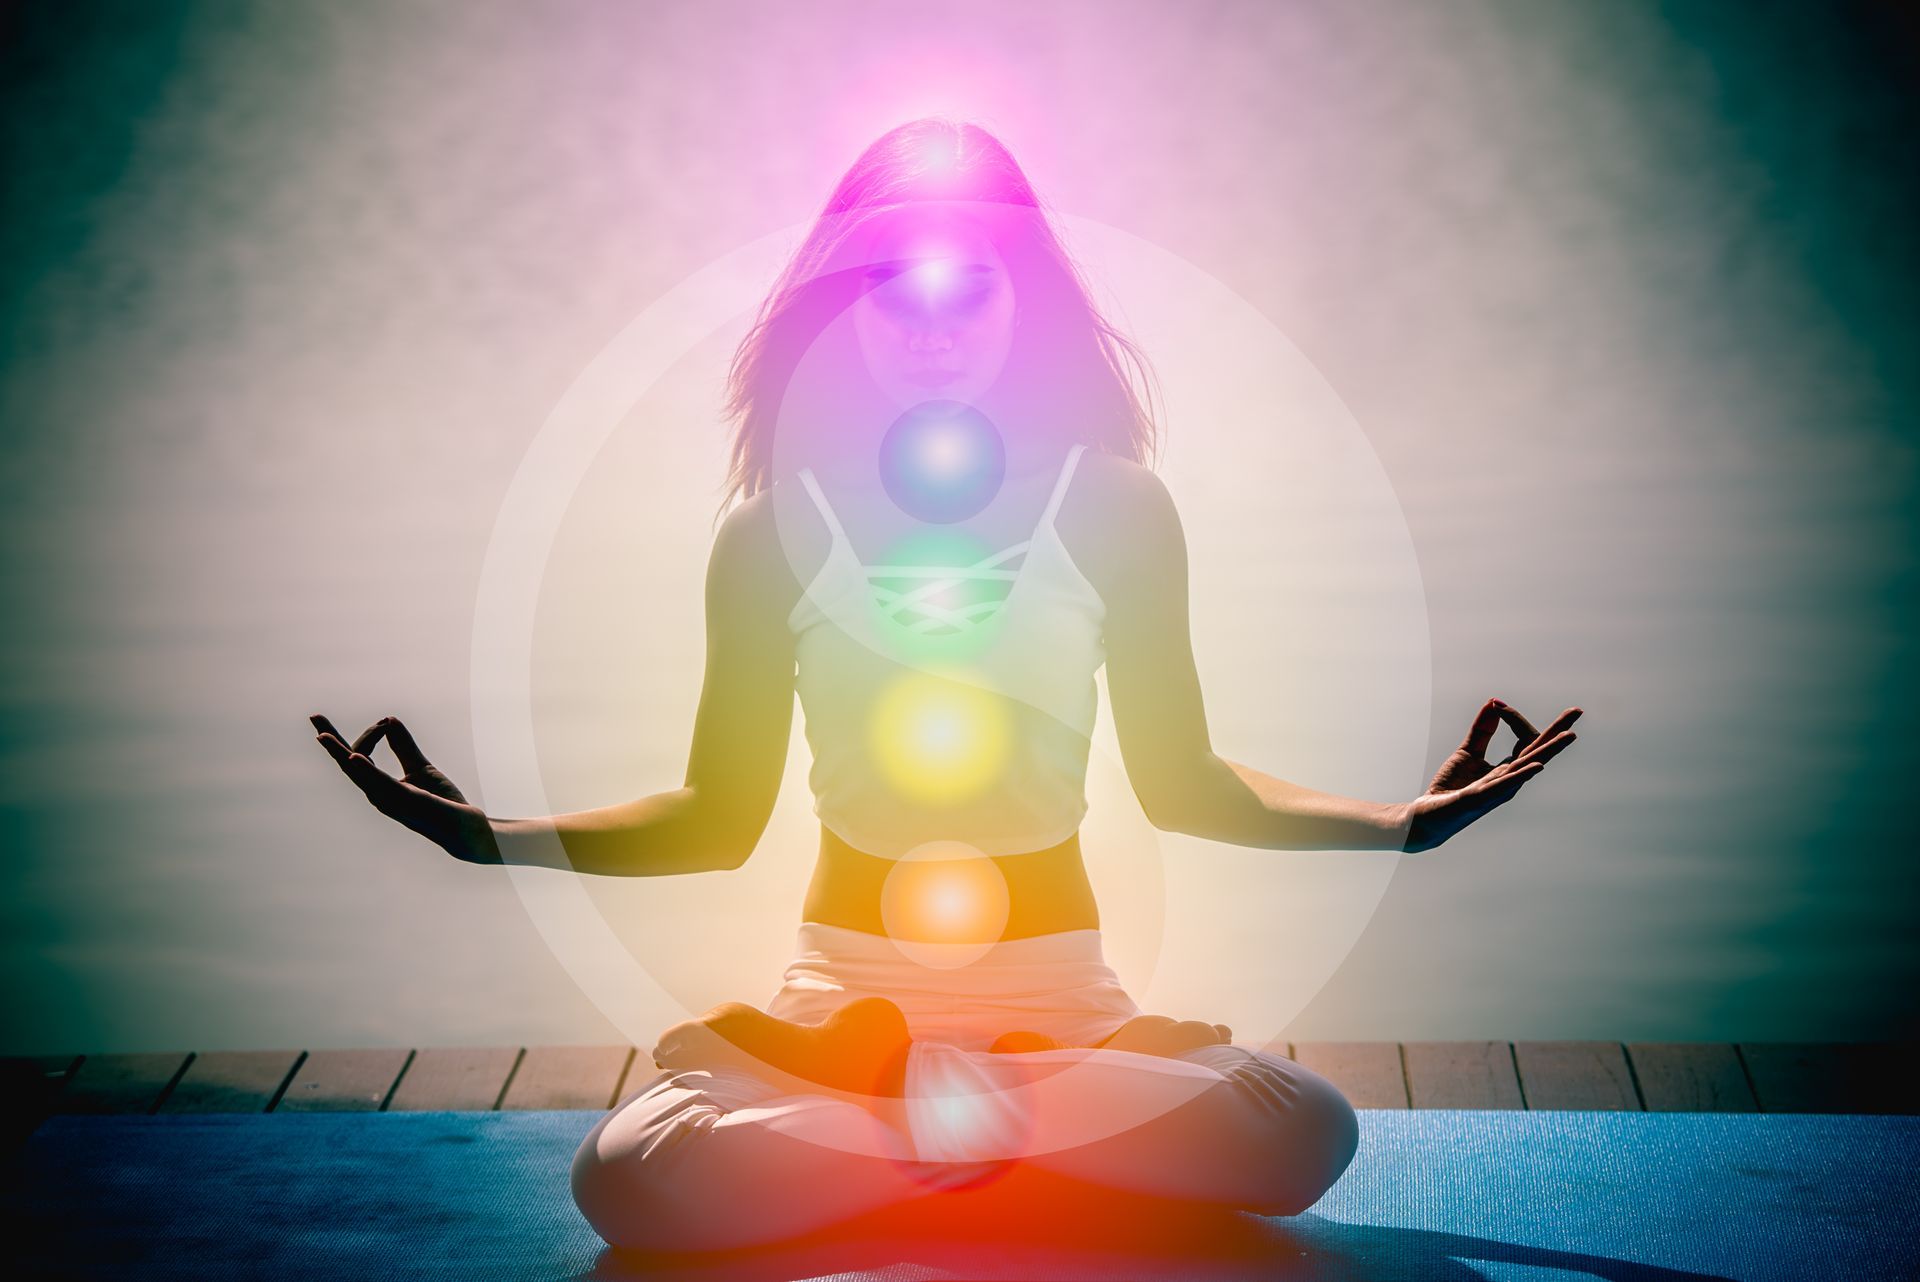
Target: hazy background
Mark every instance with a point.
(1621, 296)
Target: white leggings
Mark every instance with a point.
(725, 1156)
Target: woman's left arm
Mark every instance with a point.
(1160, 718)
(1246, 807)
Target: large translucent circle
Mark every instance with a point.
(1308, 618)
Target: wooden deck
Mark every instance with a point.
(1641, 1076)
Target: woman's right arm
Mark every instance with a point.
(740, 734)
(734, 768)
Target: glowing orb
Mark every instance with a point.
(942, 461)
(944, 904)
(941, 602)
(939, 741)
(933, 275)
(939, 153)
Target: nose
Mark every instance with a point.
(923, 338)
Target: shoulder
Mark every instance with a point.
(749, 564)
(1122, 485)
(1119, 521)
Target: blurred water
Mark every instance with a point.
(1617, 297)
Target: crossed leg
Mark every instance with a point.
(703, 1159)
(708, 1159)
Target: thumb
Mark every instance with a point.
(412, 760)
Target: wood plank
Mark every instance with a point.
(232, 1082)
(1691, 1077)
(1794, 1077)
(30, 1077)
(343, 1081)
(1369, 1074)
(121, 1083)
(29, 1085)
(1575, 1075)
(49, 1068)
(462, 1079)
(1461, 1075)
(567, 1077)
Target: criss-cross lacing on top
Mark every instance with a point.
(930, 608)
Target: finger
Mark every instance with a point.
(1523, 730)
(1497, 791)
(381, 788)
(370, 736)
(1562, 722)
(324, 726)
(1480, 733)
(1566, 718)
(400, 739)
(1546, 750)
(354, 764)
(335, 749)
(348, 761)
(1226, 1034)
(1527, 739)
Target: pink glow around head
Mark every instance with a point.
(954, 188)
(938, 152)
(931, 159)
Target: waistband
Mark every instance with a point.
(842, 947)
(1058, 984)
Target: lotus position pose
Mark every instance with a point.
(948, 524)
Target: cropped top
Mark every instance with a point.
(932, 721)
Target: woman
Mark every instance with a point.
(949, 1012)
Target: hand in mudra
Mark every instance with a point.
(1467, 785)
(422, 798)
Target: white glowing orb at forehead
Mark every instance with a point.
(935, 271)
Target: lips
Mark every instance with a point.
(933, 377)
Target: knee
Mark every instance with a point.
(632, 1179)
(1308, 1134)
(1329, 1138)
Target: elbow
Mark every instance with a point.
(1182, 798)
(1169, 810)
(719, 831)
(731, 858)
(729, 845)
(724, 849)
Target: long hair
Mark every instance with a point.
(935, 159)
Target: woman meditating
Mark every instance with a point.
(948, 525)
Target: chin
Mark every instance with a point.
(965, 390)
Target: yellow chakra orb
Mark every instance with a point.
(937, 740)
(945, 903)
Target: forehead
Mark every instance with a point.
(921, 233)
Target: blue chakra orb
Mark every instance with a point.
(942, 461)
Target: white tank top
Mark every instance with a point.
(940, 722)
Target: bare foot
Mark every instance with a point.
(1170, 1038)
(861, 1048)
(1023, 1041)
(1144, 1035)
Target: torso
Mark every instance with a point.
(1048, 890)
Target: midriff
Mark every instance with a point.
(1046, 891)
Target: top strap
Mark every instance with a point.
(1060, 486)
(826, 509)
(1046, 517)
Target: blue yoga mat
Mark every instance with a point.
(1431, 1195)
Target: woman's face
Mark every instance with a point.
(936, 318)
